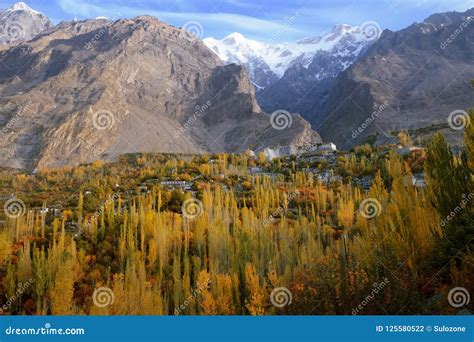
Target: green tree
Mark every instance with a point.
(450, 190)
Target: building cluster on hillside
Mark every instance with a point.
(286, 151)
(327, 148)
(176, 185)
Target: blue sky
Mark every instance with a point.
(256, 19)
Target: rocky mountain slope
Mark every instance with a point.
(291, 76)
(96, 89)
(20, 23)
(410, 79)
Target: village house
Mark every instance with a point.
(322, 151)
(173, 185)
(329, 148)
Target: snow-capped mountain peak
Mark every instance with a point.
(268, 62)
(234, 38)
(20, 23)
(21, 6)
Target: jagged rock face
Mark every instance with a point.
(416, 72)
(20, 23)
(95, 89)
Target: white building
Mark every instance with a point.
(329, 147)
(405, 151)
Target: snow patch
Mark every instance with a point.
(235, 48)
(21, 6)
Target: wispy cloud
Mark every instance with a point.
(257, 19)
(212, 22)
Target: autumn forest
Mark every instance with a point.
(232, 234)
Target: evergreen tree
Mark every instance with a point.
(449, 191)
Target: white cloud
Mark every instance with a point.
(237, 22)
(315, 17)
